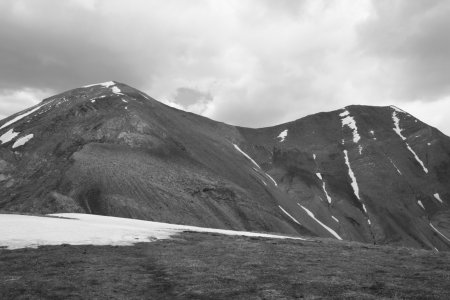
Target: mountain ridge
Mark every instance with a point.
(361, 173)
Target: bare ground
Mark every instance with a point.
(212, 266)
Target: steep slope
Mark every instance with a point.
(371, 174)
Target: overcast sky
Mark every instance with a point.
(244, 62)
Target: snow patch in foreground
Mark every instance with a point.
(282, 136)
(22, 141)
(20, 231)
(323, 225)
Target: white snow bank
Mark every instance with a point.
(21, 116)
(323, 225)
(283, 135)
(246, 155)
(436, 195)
(287, 214)
(8, 136)
(22, 141)
(398, 131)
(350, 122)
(18, 231)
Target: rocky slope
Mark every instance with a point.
(370, 174)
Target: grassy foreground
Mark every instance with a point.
(211, 266)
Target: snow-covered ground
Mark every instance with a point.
(20, 231)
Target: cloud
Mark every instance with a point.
(411, 42)
(251, 63)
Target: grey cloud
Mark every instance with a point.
(412, 42)
(188, 96)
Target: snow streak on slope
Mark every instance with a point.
(349, 121)
(398, 131)
(421, 204)
(323, 225)
(323, 183)
(21, 116)
(273, 180)
(440, 233)
(354, 184)
(8, 136)
(19, 231)
(287, 214)
(398, 171)
(438, 198)
(246, 155)
(22, 141)
(282, 135)
(336, 219)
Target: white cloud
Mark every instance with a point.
(262, 62)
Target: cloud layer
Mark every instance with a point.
(251, 63)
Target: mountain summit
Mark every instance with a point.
(362, 173)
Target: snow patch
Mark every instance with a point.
(282, 135)
(429, 144)
(435, 229)
(421, 204)
(105, 84)
(20, 231)
(273, 180)
(398, 131)
(116, 90)
(246, 155)
(398, 171)
(436, 195)
(293, 219)
(324, 187)
(350, 122)
(125, 101)
(336, 219)
(8, 136)
(21, 116)
(22, 141)
(354, 183)
(323, 225)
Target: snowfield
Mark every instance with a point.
(21, 231)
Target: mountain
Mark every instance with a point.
(361, 173)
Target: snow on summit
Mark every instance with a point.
(349, 121)
(22, 231)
